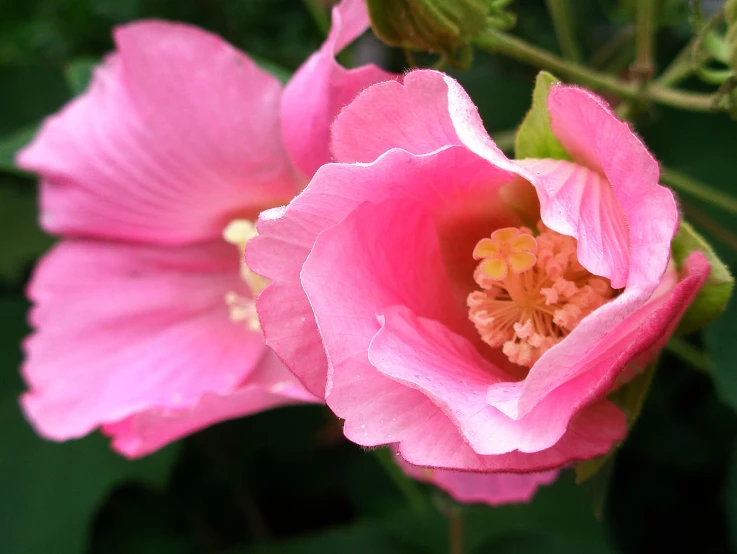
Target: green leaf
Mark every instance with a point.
(560, 512)
(730, 497)
(722, 348)
(51, 491)
(535, 544)
(713, 297)
(10, 144)
(535, 138)
(363, 538)
(18, 216)
(78, 74)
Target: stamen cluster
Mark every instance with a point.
(529, 309)
(241, 308)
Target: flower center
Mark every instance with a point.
(534, 291)
(242, 308)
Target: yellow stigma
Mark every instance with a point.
(508, 248)
(534, 291)
(238, 232)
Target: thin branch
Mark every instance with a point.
(493, 40)
(689, 354)
(699, 190)
(560, 13)
(643, 67)
(455, 521)
(689, 57)
(404, 483)
(319, 15)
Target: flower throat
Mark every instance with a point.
(534, 291)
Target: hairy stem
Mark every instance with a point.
(493, 40)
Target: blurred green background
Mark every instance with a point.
(286, 481)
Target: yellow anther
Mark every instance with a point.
(238, 232)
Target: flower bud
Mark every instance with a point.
(433, 25)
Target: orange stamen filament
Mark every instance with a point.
(534, 291)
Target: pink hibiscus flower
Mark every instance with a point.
(144, 318)
(494, 489)
(474, 310)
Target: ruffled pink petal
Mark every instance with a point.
(593, 136)
(424, 355)
(322, 87)
(270, 385)
(376, 409)
(448, 178)
(493, 489)
(602, 345)
(437, 443)
(582, 204)
(124, 329)
(286, 317)
(416, 119)
(367, 283)
(163, 147)
(431, 111)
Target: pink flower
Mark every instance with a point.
(474, 310)
(144, 318)
(493, 489)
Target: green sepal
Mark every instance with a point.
(712, 299)
(535, 138)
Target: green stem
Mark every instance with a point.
(699, 190)
(455, 521)
(319, 15)
(694, 101)
(727, 237)
(680, 68)
(404, 483)
(497, 41)
(689, 57)
(645, 39)
(689, 354)
(611, 48)
(560, 13)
